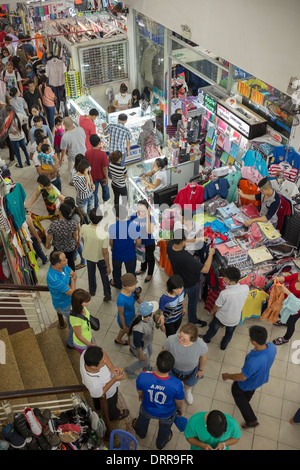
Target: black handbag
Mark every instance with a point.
(93, 321)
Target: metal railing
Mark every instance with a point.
(24, 304)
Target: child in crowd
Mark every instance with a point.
(171, 305)
(84, 186)
(46, 158)
(57, 132)
(79, 320)
(38, 124)
(125, 302)
(4, 55)
(51, 195)
(140, 337)
(118, 174)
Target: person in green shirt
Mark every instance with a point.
(212, 430)
(82, 330)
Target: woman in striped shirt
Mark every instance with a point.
(118, 175)
(84, 186)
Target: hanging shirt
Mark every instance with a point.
(219, 187)
(283, 154)
(254, 158)
(190, 195)
(55, 71)
(14, 204)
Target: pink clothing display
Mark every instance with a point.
(251, 173)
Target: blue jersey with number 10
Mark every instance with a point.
(159, 394)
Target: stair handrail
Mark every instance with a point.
(34, 288)
(37, 287)
(16, 394)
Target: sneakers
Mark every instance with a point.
(15, 440)
(33, 422)
(188, 396)
(51, 437)
(106, 298)
(42, 417)
(42, 442)
(21, 426)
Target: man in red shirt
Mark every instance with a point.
(88, 125)
(98, 161)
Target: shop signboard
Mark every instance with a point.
(233, 120)
(268, 102)
(210, 103)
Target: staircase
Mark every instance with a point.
(39, 362)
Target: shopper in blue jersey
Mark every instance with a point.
(123, 243)
(144, 224)
(161, 396)
(253, 375)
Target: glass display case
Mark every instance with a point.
(137, 190)
(81, 106)
(136, 118)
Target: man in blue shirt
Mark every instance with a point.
(61, 281)
(161, 396)
(253, 375)
(123, 243)
(144, 223)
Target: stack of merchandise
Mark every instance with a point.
(73, 84)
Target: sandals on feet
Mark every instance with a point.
(124, 413)
(280, 341)
(122, 344)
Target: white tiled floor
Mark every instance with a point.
(274, 403)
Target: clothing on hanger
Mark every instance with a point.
(191, 195)
(274, 304)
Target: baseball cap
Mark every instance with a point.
(128, 280)
(146, 308)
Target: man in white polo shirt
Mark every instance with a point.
(101, 378)
(228, 307)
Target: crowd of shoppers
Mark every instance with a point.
(77, 228)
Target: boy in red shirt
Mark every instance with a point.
(98, 161)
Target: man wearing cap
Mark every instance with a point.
(140, 336)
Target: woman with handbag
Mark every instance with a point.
(171, 305)
(190, 353)
(81, 320)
